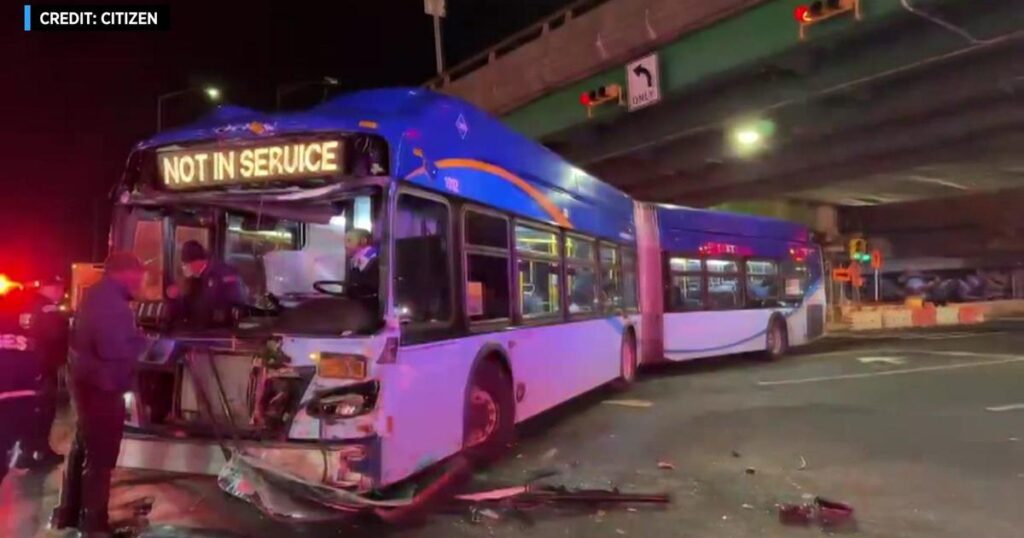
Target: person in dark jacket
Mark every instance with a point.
(363, 278)
(20, 379)
(210, 292)
(105, 346)
(48, 327)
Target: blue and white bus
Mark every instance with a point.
(510, 282)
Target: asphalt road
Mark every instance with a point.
(922, 432)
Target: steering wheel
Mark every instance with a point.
(323, 285)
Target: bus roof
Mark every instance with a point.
(445, 144)
(674, 219)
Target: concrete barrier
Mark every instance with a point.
(865, 320)
(971, 314)
(947, 315)
(924, 316)
(897, 318)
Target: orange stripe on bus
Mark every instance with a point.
(552, 210)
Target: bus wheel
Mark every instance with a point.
(776, 340)
(627, 362)
(490, 413)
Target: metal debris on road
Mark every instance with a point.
(832, 516)
(630, 403)
(803, 463)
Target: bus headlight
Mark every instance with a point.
(344, 402)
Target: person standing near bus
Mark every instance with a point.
(18, 384)
(48, 327)
(105, 345)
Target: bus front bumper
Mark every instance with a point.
(352, 464)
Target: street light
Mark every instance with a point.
(285, 89)
(212, 93)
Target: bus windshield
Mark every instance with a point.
(289, 256)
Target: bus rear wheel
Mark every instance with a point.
(776, 340)
(489, 414)
(627, 362)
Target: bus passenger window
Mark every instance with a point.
(795, 277)
(629, 279)
(581, 274)
(762, 283)
(538, 278)
(686, 285)
(611, 278)
(723, 284)
(487, 267)
(422, 267)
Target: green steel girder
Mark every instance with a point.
(764, 32)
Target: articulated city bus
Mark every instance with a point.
(508, 285)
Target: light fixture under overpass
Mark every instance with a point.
(750, 137)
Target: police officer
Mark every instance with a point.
(48, 327)
(19, 380)
(105, 345)
(209, 293)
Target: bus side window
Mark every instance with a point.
(537, 259)
(723, 284)
(686, 285)
(762, 283)
(422, 260)
(629, 279)
(581, 274)
(487, 267)
(611, 278)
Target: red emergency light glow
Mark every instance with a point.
(799, 254)
(7, 285)
(585, 98)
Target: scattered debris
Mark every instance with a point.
(620, 531)
(666, 466)
(489, 514)
(600, 514)
(725, 518)
(830, 515)
(549, 455)
(894, 361)
(803, 463)
(751, 470)
(631, 509)
(630, 403)
(1014, 439)
(736, 454)
(747, 506)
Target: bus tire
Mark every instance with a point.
(627, 361)
(490, 413)
(776, 339)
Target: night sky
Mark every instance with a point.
(74, 103)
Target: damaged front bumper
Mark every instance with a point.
(351, 464)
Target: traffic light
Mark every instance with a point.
(820, 10)
(600, 96)
(859, 251)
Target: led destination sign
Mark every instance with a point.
(194, 168)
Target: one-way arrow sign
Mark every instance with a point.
(643, 82)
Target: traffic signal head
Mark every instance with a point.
(820, 10)
(600, 96)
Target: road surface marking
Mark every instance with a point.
(1012, 359)
(1001, 408)
(895, 361)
